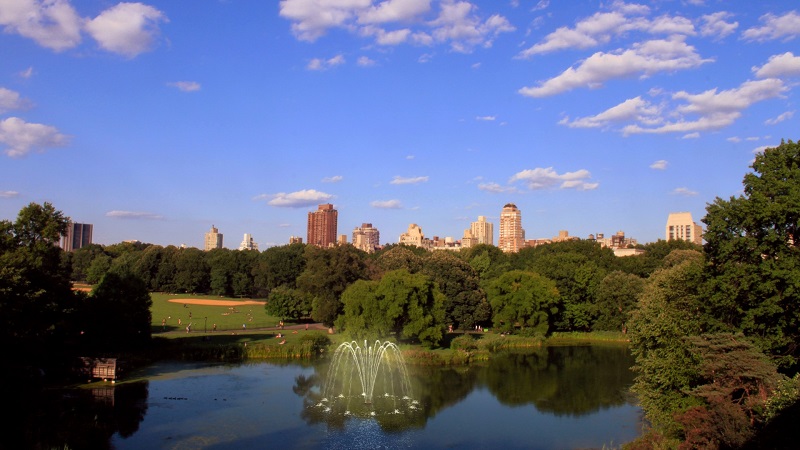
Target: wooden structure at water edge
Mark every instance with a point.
(103, 368)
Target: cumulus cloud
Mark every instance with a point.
(774, 27)
(364, 61)
(333, 179)
(127, 28)
(405, 180)
(785, 116)
(53, 24)
(602, 27)
(716, 25)
(547, 178)
(324, 64)
(684, 191)
(185, 86)
(715, 109)
(133, 215)
(21, 137)
(778, 66)
(11, 100)
(297, 199)
(9, 194)
(393, 22)
(634, 109)
(661, 164)
(644, 59)
(496, 188)
(386, 204)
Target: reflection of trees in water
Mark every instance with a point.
(567, 380)
(562, 380)
(77, 418)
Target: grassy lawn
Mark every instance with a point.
(228, 317)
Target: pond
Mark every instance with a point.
(566, 397)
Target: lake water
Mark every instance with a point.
(572, 397)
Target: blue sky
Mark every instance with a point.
(155, 120)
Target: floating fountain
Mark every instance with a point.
(367, 381)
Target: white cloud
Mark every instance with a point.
(486, 118)
(411, 180)
(785, 116)
(134, 215)
(715, 25)
(601, 27)
(185, 86)
(635, 109)
(11, 100)
(394, 11)
(333, 179)
(27, 73)
(760, 149)
(734, 139)
(297, 199)
(684, 191)
(456, 22)
(661, 164)
(21, 137)
(364, 61)
(716, 110)
(127, 28)
(53, 24)
(547, 178)
(324, 64)
(495, 188)
(464, 30)
(784, 27)
(694, 135)
(9, 194)
(785, 65)
(386, 204)
(645, 59)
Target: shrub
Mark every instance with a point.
(464, 342)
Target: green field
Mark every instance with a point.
(203, 317)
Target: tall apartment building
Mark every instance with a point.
(78, 235)
(414, 237)
(512, 236)
(366, 238)
(322, 226)
(482, 231)
(681, 226)
(248, 243)
(213, 239)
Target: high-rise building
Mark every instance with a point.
(482, 231)
(512, 236)
(248, 243)
(295, 240)
(680, 226)
(322, 226)
(78, 235)
(366, 238)
(213, 239)
(414, 236)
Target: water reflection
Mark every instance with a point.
(565, 381)
(554, 397)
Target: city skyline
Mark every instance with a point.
(590, 116)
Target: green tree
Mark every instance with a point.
(328, 272)
(191, 271)
(400, 257)
(524, 299)
(401, 303)
(465, 304)
(753, 252)
(476, 256)
(81, 260)
(117, 315)
(35, 287)
(669, 309)
(287, 303)
(278, 266)
(616, 297)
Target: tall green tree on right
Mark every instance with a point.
(753, 253)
